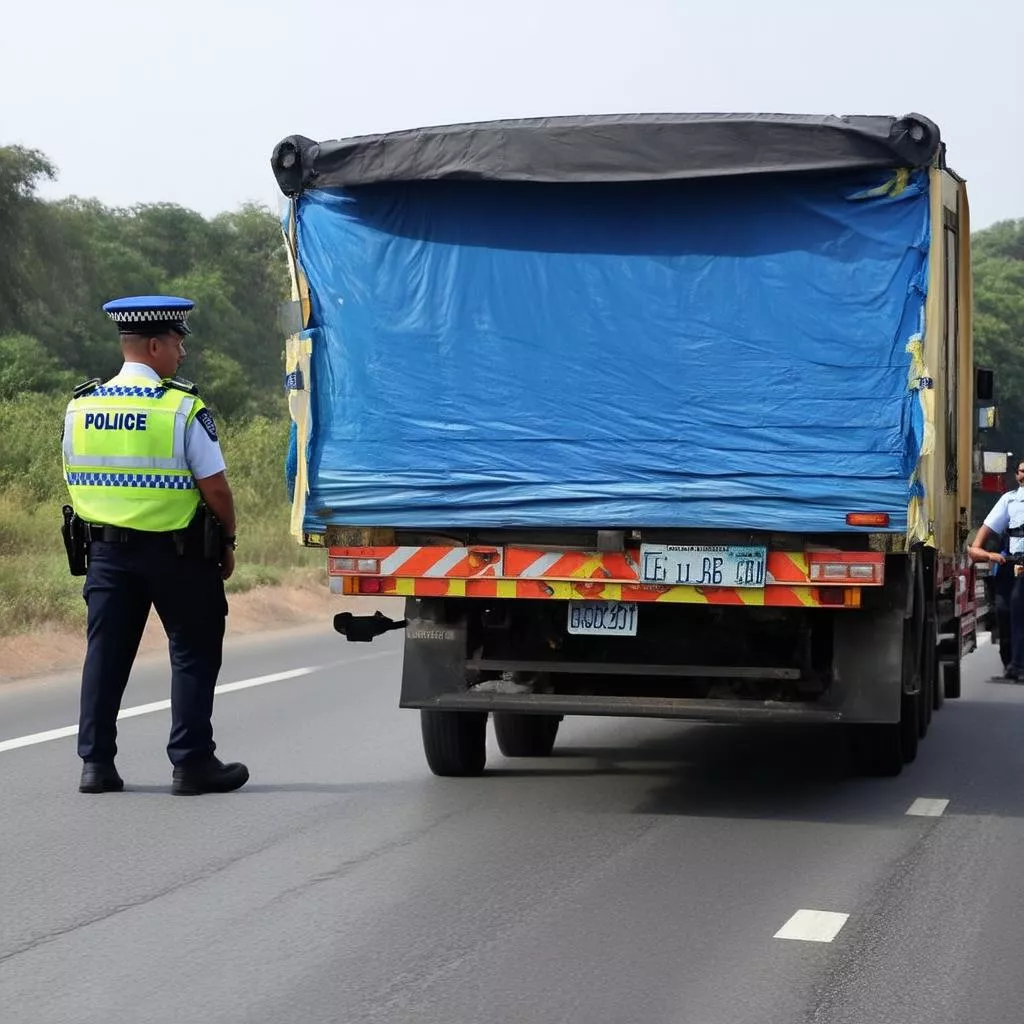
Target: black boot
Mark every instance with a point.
(100, 777)
(207, 776)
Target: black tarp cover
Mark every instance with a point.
(610, 148)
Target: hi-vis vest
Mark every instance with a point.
(124, 454)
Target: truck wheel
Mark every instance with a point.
(910, 726)
(938, 689)
(951, 679)
(525, 735)
(913, 722)
(455, 742)
(927, 706)
(876, 750)
(932, 667)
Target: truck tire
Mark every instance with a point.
(876, 750)
(915, 712)
(525, 735)
(951, 679)
(455, 742)
(927, 706)
(910, 726)
(938, 689)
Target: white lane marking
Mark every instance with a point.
(925, 807)
(813, 926)
(163, 705)
(157, 705)
(38, 737)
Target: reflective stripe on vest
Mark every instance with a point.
(124, 455)
(158, 480)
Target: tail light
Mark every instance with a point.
(880, 519)
(339, 564)
(353, 586)
(860, 568)
(839, 597)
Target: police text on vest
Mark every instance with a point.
(116, 420)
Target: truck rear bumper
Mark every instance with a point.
(717, 710)
(447, 666)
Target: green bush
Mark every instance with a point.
(25, 366)
(30, 426)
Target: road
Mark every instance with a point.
(641, 876)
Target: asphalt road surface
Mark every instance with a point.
(649, 872)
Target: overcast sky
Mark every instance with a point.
(183, 101)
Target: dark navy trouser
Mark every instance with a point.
(1017, 623)
(122, 583)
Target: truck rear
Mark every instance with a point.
(642, 415)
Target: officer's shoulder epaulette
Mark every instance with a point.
(86, 386)
(182, 385)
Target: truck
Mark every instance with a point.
(650, 415)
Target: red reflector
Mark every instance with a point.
(867, 518)
(832, 596)
(479, 557)
(371, 586)
(992, 483)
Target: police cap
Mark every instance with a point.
(150, 314)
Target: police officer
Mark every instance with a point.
(998, 590)
(1007, 517)
(140, 454)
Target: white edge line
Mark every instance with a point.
(38, 737)
(925, 807)
(164, 705)
(813, 926)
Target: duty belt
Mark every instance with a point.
(120, 534)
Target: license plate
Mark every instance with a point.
(602, 618)
(694, 566)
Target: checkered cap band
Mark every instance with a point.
(146, 316)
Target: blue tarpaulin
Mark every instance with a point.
(727, 353)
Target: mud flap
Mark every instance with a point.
(435, 651)
(867, 659)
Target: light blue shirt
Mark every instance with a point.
(202, 452)
(1007, 513)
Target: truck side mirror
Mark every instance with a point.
(984, 384)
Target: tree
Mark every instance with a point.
(61, 261)
(998, 268)
(21, 170)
